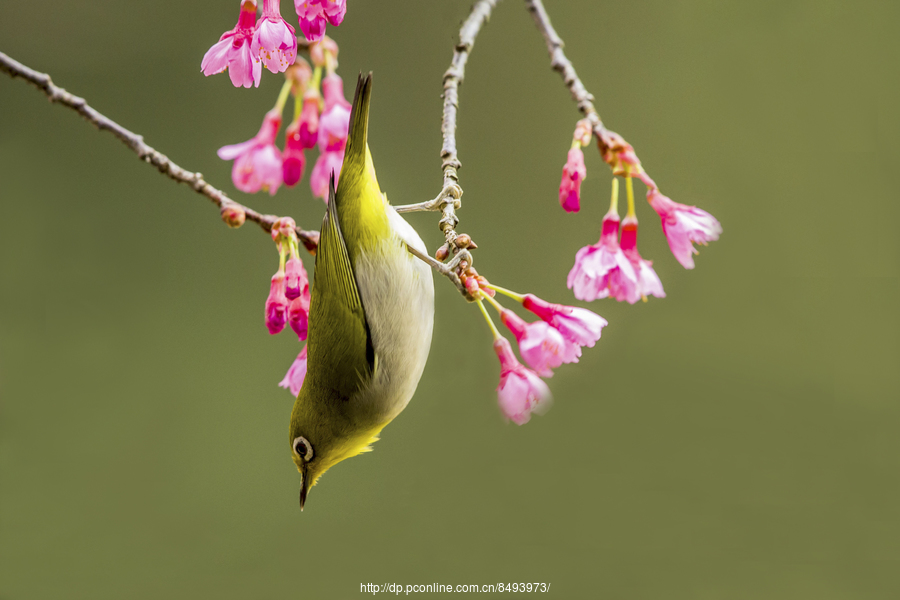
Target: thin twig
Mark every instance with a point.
(135, 142)
(448, 201)
(560, 63)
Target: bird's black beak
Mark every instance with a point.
(303, 489)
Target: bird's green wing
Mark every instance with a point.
(340, 353)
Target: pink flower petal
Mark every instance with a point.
(296, 374)
(683, 226)
(573, 174)
(276, 305)
(521, 392)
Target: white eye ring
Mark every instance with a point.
(303, 448)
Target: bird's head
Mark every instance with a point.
(319, 441)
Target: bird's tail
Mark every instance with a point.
(360, 203)
(355, 154)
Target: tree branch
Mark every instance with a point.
(608, 140)
(448, 201)
(146, 153)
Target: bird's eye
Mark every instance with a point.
(303, 448)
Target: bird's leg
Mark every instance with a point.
(450, 194)
(448, 269)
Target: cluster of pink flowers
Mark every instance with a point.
(556, 339)
(613, 267)
(321, 118)
(314, 14)
(288, 301)
(269, 41)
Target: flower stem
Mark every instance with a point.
(283, 96)
(614, 201)
(316, 79)
(298, 107)
(487, 318)
(281, 258)
(629, 189)
(509, 293)
(494, 303)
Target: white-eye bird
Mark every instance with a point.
(370, 318)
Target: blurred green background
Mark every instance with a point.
(737, 439)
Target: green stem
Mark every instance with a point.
(487, 318)
(614, 201)
(509, 293)
(283, 96)
(494, 303)
(316, 79)
(281, 258)
(298, 108)
(629, 189)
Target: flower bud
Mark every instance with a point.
(583, 132)
(276, 305)
(472, 287)
(442, 253)
(309, 120)
(573, 174)
(283, 228)
(233, 215)
(322, 44)
(298, 316)
(293, 162)
(296, 280)
(463, 240)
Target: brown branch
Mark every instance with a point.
(448, 201)
(610, 142)
(146, 153)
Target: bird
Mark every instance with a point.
(370, 319)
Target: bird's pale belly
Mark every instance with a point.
(397, 293)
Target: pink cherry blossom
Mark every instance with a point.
(684, 225)
(274, 41)
(521, 392)
(296, 374)
(276, 304)
(323, 52)
(314, 13)
(543, 347)
(296, 279)
(573, 174)
(293, 161)
(257, 162)
(298, 315)
(321, 173)
(578, 325)
(602, 270)
(333, 91)
(648, 282)
(309, 121)
(334, 124)
(232, 51)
